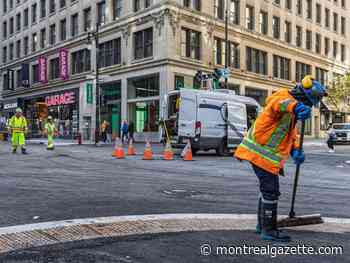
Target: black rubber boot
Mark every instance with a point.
(14, 151)
(269, 229)
(24, 151)
(259, 217)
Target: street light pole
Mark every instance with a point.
(226, 39)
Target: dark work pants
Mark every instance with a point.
(269, 184)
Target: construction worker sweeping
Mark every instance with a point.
(50, 130)
(270, 141)
(18, 129)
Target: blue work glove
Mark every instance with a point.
(298, 156)
(302, 112)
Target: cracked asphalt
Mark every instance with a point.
(85, 181)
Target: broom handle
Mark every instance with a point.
(297, 171)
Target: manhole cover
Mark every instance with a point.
(181, 193)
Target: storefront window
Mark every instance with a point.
(143, 87)
(259, 95)
(145, 116)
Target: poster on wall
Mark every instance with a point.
(43, 70)
(63, 64)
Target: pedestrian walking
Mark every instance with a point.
(131, 131)
(18, 128)
(125, 130)
(269, 143)
(104, 128)
(50, 131)
(331, 137)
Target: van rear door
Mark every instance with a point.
(236, 123)
(187, 114)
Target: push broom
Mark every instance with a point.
(292, 219)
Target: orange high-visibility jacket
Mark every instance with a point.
(271, 138)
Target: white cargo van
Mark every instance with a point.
(209, 119)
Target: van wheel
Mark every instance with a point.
(222, 149)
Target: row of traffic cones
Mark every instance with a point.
(168, 153)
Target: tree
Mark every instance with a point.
(339, 93)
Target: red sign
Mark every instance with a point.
(63, 63)
(60, 99)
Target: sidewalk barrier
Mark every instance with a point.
(148, 154)
(168, 154)
(187, 152)
(131, 149)
(118, 149)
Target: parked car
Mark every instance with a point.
(342, 132)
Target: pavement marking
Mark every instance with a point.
(48, 233)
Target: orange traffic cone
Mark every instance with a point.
(187, 153)
(131, 149)
(148, 154)
(168, 152)
(118, 149)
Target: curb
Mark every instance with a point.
(49, 233)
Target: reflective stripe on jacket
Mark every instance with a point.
(273, 135)
(18, 124)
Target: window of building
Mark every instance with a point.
(62, 3)
(195, 4)
(234, 12)
(109, 53)
(299, 7)
(250, 18)
(117, 8)
(322, 76)
(4, 54)
(4, 6)
(220, 9)
(25, 46)
(26, 17)
(11, 26)
(42, 8)
(137, 5)
(52, 34)
(11, 4)
(276, 27)
(54, 71)
(327, 17)
(34, 14)
(299, 36)
(63, 30)
(4, 30)
(277, 2)
(18, 22)
(288, 31)
(343, 52)
(308, 39)
(148, 3)
(18, 48)
(343, 25)
(301, 70)
(335, 22)
(74, 25)
(318, 13)
(35, 73)
(34, 42)
(289, 4)
(343, 4)
(191, 44)
(309, 9)
(143, 43)
(260, 95)
(101, 13)
(326, 46)
(11, 51)
(281, 67)
(43, 38)
(52, 7)
(87, 19)
(220, 53)
(263, 22)
(81, 61)
(318, 43)
(335, 49)
(18, 78)
(256, 61)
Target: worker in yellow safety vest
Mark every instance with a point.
(18, 129)
(50, 131)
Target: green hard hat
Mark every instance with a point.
(18, 110)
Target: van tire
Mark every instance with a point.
(222, 149)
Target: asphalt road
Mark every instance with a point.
(84, 181)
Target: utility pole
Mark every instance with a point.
(95, 35)
(226, 39)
